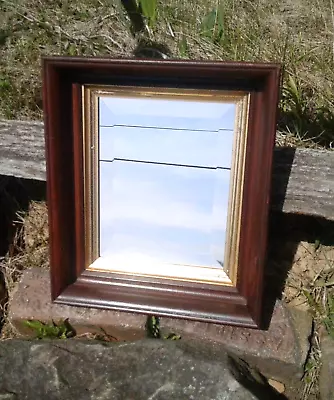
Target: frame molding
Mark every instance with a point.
(71, 282)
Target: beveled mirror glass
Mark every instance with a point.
(165, 169)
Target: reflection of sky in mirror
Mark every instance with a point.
(169, 213)
(173, 114)
(209, 149)
(163, 212)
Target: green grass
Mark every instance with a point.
(299, 34)
(42, 330)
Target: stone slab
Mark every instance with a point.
(32, 301)
(326, 378)
(279, 353)
(144, 370)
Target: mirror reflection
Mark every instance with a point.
(164, 181)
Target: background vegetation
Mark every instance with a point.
(299, 34)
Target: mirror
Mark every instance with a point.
(163, 182)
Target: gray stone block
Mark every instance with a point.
(279, 353)
(143, 370)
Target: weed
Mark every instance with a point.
(62, 330)
(149, 10)
(183, 47)
(153, 329)
(212, 26)
(320, 298)
(172, 336)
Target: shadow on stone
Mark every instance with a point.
(15, 196)
(282, 164)
(252, 379)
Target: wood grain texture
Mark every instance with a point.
(22, 149)
(303, 182)
(302, 179)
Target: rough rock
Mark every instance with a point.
(32, 301)
(279, 353)
(143, 370)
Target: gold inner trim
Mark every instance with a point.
(91, 96)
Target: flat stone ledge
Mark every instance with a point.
(143, 370)
(280, 352)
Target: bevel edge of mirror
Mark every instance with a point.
(90, 143)
(91, 94)
(166, 92)
(236, 188)
(196, 271)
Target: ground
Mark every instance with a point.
(304, 266)
(299, 34)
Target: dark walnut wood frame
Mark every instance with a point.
(71, 282)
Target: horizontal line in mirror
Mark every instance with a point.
(184, 147)
(165, 128)
(162, 163)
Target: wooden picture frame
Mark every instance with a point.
(158, 179)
